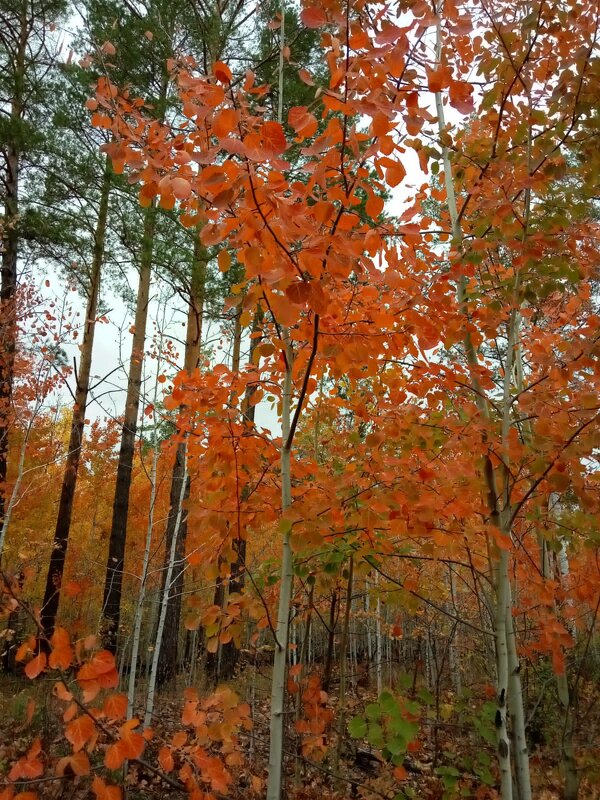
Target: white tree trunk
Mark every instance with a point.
(164, 603)
(139, 609)
(285, 594)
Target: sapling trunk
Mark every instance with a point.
(285, 595)
(343, 665)
(163, 613)
(139, 609)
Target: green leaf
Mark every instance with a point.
(396, 745)
(358, 728)
(373, 711)
(375, 735)
(402, 727)
(388, 703)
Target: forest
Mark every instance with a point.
(300, 399)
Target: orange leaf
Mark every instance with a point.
(78, 764)
(28, 767)
(61, 691)
(223, 260)
(224, 122)
(222, 72)
(35, 666)
(27, 647)
(62, 652)
(104, 792)
(181, 188)
(165, 759)
(115, 756)
(302, 121)
(80, 731)
(395, 172)
(306, 77)
(115, 706)
(133, 742)
(274, 140)
(313, 17)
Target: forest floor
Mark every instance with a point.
(446, 761)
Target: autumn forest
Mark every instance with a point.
(300, 399)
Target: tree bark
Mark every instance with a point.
(111, 606)
(168, 656)
(9, 247)
(277, 728)
(342, 659)
(69, 483)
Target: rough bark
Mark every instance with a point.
(111, 606)
(69, 483)
(10, 245)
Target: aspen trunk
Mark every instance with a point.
(163, 611)
(343, 652)
(378, 638)
(498, 516)
(139, 609)
(60, 541)
(111, 606)
(285, 594)
(567, 750)
(502, 675)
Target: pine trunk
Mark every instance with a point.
(111, 606)
(10, 246)
(69, 483)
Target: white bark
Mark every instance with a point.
(379, 663)
(164, 603)
(14, 495)
(139, 609)
(285, 594)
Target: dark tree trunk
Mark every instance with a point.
(330, 641)
(9, 244)
(69, 483)
(113, 585)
